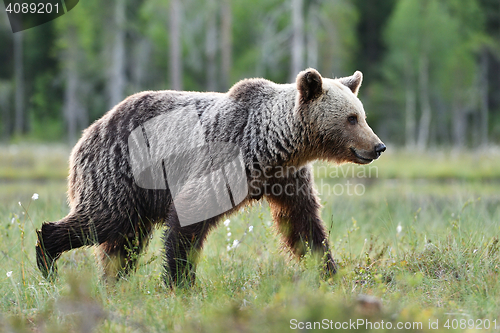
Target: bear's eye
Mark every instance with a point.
(353, 120)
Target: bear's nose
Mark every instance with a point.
(379, 149)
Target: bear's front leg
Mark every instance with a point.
(295, 209)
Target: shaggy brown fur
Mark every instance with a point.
(279, 129)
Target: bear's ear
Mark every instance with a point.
(353, 82)
(309, 84)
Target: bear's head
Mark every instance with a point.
(335, 119)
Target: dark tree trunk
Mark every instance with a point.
(142, 51)
(116, 83)
(226, 44)
(74, 113)
(19, 125)
(5, 97)
(459, 126)
(312, 36)
(175, 45)
(297, 39)
(410, 108)
(483, 99)
(425, 103)
(211, 45)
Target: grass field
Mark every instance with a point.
(420, 235)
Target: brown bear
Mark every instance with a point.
(186, 159)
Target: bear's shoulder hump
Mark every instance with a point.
(247, 89)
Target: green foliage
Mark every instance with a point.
(449, 36)
(388, 41)
(424, 251)
(338, 38)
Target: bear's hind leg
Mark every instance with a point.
(182, 248)
(119, 256)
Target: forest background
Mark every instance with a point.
(422, 236)
(431, 67)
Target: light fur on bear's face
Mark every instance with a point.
(342, 133)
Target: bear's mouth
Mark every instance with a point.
(360, 159)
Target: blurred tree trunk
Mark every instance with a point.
(425, 104)
(5, 97)
(442, 110)
(410, 109)
(142, 51)
(71, 102)
(73, 110)
(211, 45)
(19, 125)
(312, 35)
(483, 98)
(116, 83)
(297, 39)
(226, 44)
(175, 45)
(459, 126)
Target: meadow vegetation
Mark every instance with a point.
(422, 239)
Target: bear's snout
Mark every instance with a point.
(365, 156)
(379, 149)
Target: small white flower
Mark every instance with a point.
(235, 243)
(399, 229)
(228, 228)
(226, 222)
(228, 234)
(250, 228)
(229, 248)
(13, 220)
(9, 273)
(35, 196)
(20, 203)
(475, 250)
